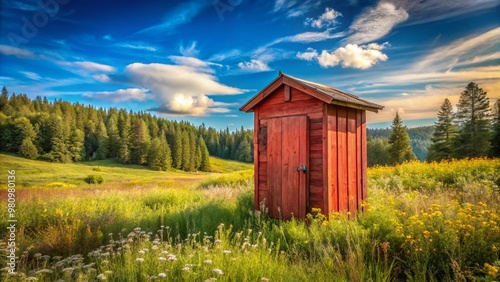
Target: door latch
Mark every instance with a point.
(302, 167)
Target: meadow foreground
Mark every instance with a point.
(422, 222)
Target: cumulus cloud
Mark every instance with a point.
(180, 89)
(375, 22)
(14, 51)
(350, 56)
(327, 19)
(254, 66)
(119, 95)
(309, 55)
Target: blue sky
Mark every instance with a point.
(201, 60)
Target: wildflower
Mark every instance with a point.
(141, 260)
(264, 279)
(185, 268)
(171, 257)
(491, 269)
(141, 252)
(162, 259)
(494, 248)
(218, 271)
(226, 251)
(162, 275)
(101, 277)
(208, 261)
(43, 271)
(218, 241)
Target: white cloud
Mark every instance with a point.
(254, 66)
(468, 51)
(119, 95)
(180, 89)
(225, 55)
(189, 51)
(31, 75)
(308, 55)
(101, 77)
(89, 66)
(350, 56)
(192, 62)
(14, 51)
(309, 36)
(137, 46)
(375, 23)
(293, 9)
(180, 13)
(327, 19)
(435, 10)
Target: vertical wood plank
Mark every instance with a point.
(256, 198)
(359, 166)
(327, 205)
(351, 159)
(332, 165)
(290, 177)
(342, 158)
(288, 93)
(364, 157)
(303, 160)
(274, 171)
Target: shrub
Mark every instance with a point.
(94, 179)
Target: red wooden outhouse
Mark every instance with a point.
(309, 148)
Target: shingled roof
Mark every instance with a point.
(323, 92)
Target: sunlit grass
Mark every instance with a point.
(419, 224)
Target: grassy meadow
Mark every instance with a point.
(422, 222)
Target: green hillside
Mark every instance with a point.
(40, 173)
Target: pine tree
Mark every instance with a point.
(154, 158)
(59, 151)
(139, 142)
(123, 153)
(205, 158)
(400, 149)
(245, 151)
(378, 151)
(177, 149)
(444, 131)
(28, 149)
(495, 141)
(113, 136)
(166, 156)
(15, 131)
(4, 98)
(186, 152)
(102, 141)
(76, 147)
(473, 119)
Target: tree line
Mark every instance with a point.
(60, 131)
(472, 131)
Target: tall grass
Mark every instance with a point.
(419, 224)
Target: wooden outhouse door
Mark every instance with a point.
(287, 166)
